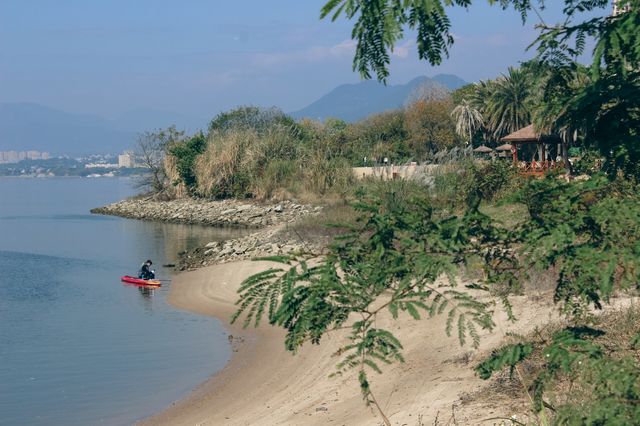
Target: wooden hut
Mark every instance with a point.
(533, 153)
(504, 150)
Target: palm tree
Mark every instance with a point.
(468, 120)
(558, 89)
(508, 107)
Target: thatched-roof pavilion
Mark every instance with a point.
(504, 150)
(527, 135)
(482, 149)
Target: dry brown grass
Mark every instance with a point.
(271, 164)
(175, 188)
(224, 157)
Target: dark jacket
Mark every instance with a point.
(145, 272)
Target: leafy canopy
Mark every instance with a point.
(379, 24)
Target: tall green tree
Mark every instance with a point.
(603, 100)
(508, 108)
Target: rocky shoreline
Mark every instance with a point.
(272, 239)
(268, 242)
(213, 213)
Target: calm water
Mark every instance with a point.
(76, 346)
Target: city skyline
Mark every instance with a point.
(17, 156)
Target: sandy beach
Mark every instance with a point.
(265, 385)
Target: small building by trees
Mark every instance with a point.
(533, 152)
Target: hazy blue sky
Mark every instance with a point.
(199, 57)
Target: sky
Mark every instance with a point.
(200, 57)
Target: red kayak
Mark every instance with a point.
(139, 281)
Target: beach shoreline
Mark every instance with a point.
(259, 363)
(264, 384)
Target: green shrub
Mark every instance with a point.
(250, 118)
(588, 164)
(186, 153)
(492, 179)
(456, 185)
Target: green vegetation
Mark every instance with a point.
(186, 152)
(408, 246)
(598, 363)
(390, 260)
(253, 152)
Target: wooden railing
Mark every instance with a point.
(538, 167)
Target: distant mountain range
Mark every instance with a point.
(29, 126)
(352, 102)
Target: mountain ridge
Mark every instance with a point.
(355, 101)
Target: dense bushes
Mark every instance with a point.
(244, 163)
(261, 152)
(464, 182)
(250, 118)
(185, 153)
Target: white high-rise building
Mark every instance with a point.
(126, 160)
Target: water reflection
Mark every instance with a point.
(147, 298)
(176, 238)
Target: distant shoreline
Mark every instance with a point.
(65, 177)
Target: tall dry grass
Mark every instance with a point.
(275, 163)
(175, 187)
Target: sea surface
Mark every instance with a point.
(77, 347)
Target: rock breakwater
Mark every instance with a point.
(214, 213)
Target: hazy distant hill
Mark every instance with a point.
(352, 102)
(28, 126)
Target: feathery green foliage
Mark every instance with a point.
(379, 24)
(395, 259)
(605, 387)
(591, 232)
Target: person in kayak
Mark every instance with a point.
(145, 271)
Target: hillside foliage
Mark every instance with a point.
(253, 152)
